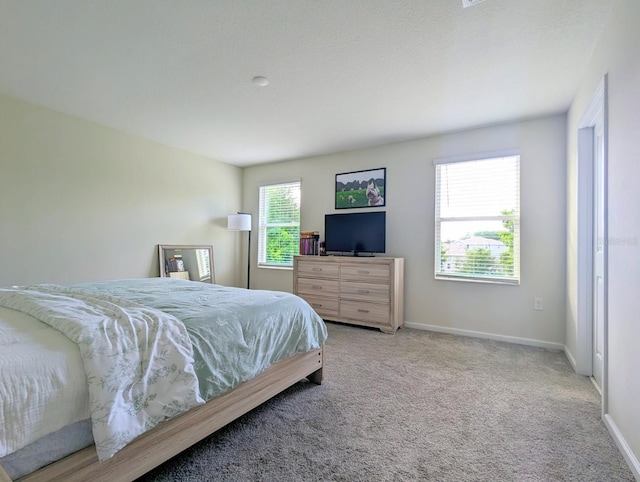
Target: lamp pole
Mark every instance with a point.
(249, 261)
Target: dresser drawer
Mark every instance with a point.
(364, 291)
(311, 269)
(366, 312)
(365, 272)
(323, 306)
(318, 287)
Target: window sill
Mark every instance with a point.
(281, 268)
(470, 279)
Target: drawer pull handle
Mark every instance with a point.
(316, 305)
(363, 272)
(317, 269)
(317, 287)
(362, 311)
(363, 292)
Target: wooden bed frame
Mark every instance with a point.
(179, 433)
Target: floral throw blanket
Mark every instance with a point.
(138, 360)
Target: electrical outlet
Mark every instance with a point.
(538, 304)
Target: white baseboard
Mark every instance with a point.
(623, 446)
(489, 336)
(571, 359)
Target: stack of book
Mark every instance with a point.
(175, 263)
(309, 242)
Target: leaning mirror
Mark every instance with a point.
(190, 262)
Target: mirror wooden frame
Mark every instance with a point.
(165, 253)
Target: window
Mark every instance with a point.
(279, 228)
(477, 231)
(204, 265)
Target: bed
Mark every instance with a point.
(125, 374)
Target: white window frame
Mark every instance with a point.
(263, 226)
(451, 276)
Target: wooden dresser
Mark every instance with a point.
(361, 291)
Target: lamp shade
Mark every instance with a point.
(239, 222)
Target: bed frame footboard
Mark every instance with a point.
(179, 433)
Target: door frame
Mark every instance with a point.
(597, 111)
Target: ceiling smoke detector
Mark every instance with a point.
(260, 81)
(470, 3)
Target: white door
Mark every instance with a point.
(599, 246)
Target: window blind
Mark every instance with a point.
(202, 258)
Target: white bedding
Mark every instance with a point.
(53, 396)
(138, 360)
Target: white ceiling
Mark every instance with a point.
(344, 74)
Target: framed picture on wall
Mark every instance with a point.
(361, 189)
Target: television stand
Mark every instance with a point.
(367, 291)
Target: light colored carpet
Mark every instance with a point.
(417, 406)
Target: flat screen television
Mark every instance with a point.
(355, 233)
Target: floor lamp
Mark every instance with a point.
(242, 222)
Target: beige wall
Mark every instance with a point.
(617, 55)
(504, 311)
(82, 202)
